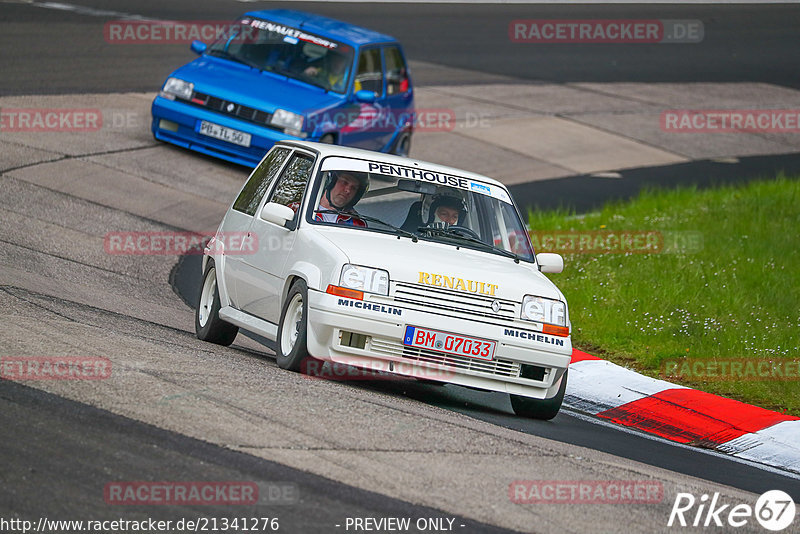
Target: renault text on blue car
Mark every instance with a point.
(281, 75)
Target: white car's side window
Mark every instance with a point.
(293, 181)
(258, 184)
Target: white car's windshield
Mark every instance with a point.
(288, 51)
(419, 204)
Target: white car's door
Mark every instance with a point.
(240, 217)
(260, 280)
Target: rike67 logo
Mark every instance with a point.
(774, 510)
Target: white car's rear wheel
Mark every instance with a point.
(207, 324)
(293, 328)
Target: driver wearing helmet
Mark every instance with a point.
(343, 190)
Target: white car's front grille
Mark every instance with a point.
(505, 368)
(454, 303)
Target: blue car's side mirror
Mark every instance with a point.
(366, 96)
(198, 47)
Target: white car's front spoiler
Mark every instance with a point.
(383, 325)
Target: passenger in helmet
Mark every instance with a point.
(447, 206)
(446, 209)
(343, 190)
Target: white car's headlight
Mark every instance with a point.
(177, 87)
(292, 122)
(544, 310)
(365, 279)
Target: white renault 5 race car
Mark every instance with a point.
(382, 262)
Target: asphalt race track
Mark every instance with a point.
(743, 43)
(181, 410)
(83, 461)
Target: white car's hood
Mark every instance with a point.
(469, 270)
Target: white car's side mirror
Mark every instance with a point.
(277, 213)
(549, 262)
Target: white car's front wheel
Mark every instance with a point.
(207, 324)
(544, 409)
(293, 328)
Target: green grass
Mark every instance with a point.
(737, 297)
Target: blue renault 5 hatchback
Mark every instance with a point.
(281, 74)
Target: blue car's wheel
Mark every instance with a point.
(402, 146)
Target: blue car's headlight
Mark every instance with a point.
(292, 123)
(177, 87)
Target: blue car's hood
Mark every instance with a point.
(261, 90)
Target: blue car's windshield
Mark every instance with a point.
(288, 51)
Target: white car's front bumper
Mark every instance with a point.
(332, 319)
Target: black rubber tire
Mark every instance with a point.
(402, 146)
(544, 409)
(215, 330)
(293, 359)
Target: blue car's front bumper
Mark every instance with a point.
(188, 118)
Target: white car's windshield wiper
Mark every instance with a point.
(367, 218)
(460, 232)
